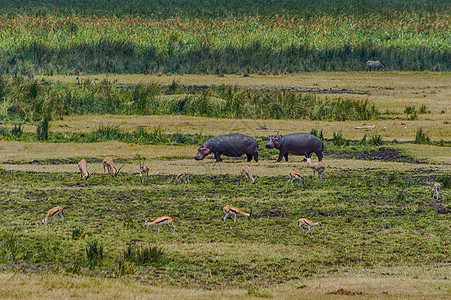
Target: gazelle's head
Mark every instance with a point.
(146, 224)
(44, 221)
(319, 223)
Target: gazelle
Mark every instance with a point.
(436, 191)
(296, 176)
(234, 211)
(164, 220)
(308, 223)
(57, 210)
(247, 172)
(109, 164)
(83, 167)
(184, 176)
(318, 166)
(144, 171)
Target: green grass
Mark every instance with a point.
(222, 37)
(370, 220)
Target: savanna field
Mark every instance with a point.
(151, 81)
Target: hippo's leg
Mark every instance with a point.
(255, 156)
(249, 157)
(218, 157)
(320, 155)
(286, 156)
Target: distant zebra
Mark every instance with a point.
(374, 64)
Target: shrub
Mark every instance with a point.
(94, 254)
(339, 140)
(421, 137)
(42, 131)
(17, 130)
(78, 233)
(150, 255)
(375, 140)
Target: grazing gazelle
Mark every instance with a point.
(247, 172)
(164, 220)
(308, 223)
(318, 166)
(57, 210)
(144, 171)
(436, 191)
(83, 167)
(183, 175)
(109, 164)
(296, 176)
(234, 211)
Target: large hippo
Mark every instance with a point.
(231, 145)
(297, 144)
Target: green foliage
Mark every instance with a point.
(445, 181)
(128, 222)
(17, 130)
(150, 255)
(182, 37)
(339, 140)
(78, 233)
(94, 254)
(319, 135)
(11, 245)
(375, 140)
(421, 137)
(42, 131)
(153, 99)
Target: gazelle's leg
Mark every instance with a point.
(234, 220)
(169, 228)
(187, 178)
(224, 217)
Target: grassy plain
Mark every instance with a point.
(382, 234)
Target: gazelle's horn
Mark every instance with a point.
(117, 173)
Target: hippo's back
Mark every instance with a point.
(234, 144)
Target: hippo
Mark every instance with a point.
(297, 144)
(229, 144)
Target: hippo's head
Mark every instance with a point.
(202, 152)
(274, 141)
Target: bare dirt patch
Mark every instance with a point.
(385, 154)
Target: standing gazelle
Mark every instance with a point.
(109, 164)
(436, 191)
(83, 167)
(57, 210)
(247, 173)
(183, 175)
(296, 176)
(318, 166)
(308, 223)
(234, 211)
(164, 220)
(144, 171)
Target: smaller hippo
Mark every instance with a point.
(297, 144)
(231, 145)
